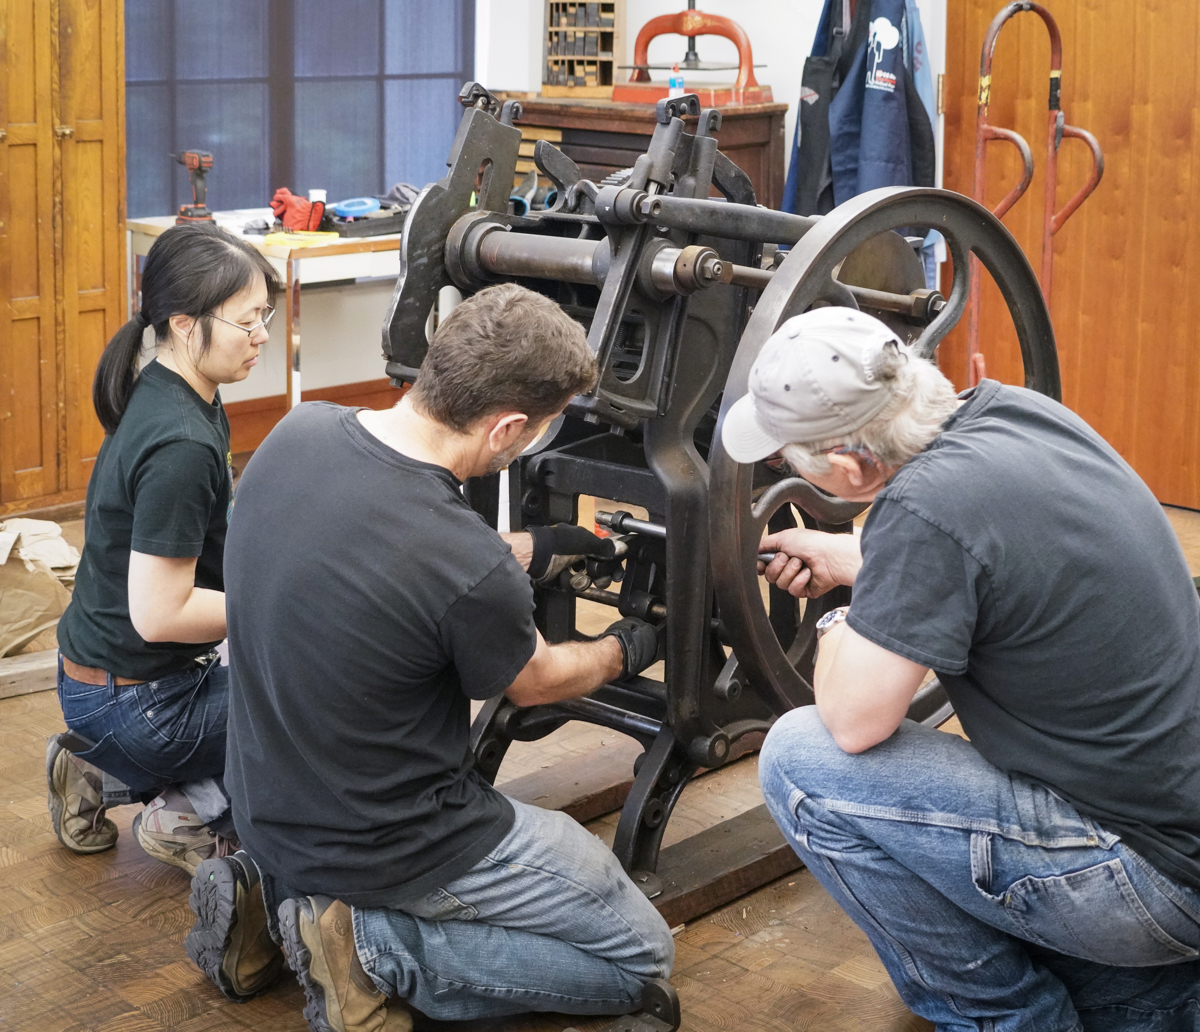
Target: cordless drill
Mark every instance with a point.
(197, 162)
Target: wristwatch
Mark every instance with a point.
(834, 616)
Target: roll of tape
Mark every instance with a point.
(355, 207)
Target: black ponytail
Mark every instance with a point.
(190, 270)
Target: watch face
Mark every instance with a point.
(828, 618)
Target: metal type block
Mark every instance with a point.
(678, 291)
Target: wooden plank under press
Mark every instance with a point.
(596, 783)
(722, 863)
(584, 787)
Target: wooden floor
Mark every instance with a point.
(95, 943)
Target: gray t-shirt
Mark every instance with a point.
(1026, 563)
(368, 603)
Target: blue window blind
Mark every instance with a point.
(347, 95)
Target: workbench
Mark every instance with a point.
(337, 261)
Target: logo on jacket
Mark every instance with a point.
(884, 36)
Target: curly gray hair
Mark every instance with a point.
(922, 400)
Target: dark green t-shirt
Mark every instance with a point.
(162, 485)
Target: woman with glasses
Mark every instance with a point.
(140, 683)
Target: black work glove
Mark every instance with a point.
(562, 545)
(639, 643)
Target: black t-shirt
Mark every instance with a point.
(1027, 564)
(162, 485)
(367, 604)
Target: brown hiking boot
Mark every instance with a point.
(229, 941)
(318, 939)
(76, 802)
(177, 838)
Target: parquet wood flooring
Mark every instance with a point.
(94, 944)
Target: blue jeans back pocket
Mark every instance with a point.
(109, 755)
(1094, 914)
(440, 905)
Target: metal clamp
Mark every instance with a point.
(476, 95)
(676, 107)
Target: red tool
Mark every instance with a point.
(198, 163)
(1052, 221)
(693, 23)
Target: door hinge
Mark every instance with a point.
(941, 93)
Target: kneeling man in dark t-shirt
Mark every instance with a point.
(368, 604)
(1046, 874)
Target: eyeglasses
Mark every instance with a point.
(268, 315)
(862, 452)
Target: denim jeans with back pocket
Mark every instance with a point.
(156, 733)
(994, 904)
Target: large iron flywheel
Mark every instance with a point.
(773, 643)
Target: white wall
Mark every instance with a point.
(508, 44)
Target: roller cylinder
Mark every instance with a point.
(543, 257)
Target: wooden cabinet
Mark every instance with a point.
(62, 253)
(603, 137)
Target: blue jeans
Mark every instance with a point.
(547, 921)
(994, 904)
(157, 733)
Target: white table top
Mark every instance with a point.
(343, 259)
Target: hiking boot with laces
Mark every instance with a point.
(177, 838)
(318, 939)
(229, 941)
(76, 802)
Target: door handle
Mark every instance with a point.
(63, 131)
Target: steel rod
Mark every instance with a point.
(610, 598)
(918, 305)
(624, 523)
(611, 716)
(728, 220)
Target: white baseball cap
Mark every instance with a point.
(817, 377)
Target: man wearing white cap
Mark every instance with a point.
(1046, 874)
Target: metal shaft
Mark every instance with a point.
(623, 523)
(610, 598)
(674, 270)
(731, 221)
(547, 257)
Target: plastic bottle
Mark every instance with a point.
(675, 83)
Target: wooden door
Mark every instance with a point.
(62, 274)
(29, 365)
(91, 68)
(1125, 310)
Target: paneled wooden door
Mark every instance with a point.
(1125, 305)
(62, 250)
